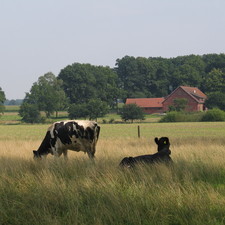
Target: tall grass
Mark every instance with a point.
(53, 191)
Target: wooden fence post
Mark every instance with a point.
(139, 133)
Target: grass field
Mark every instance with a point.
(52, 191)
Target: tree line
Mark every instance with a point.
(89, 91)
(157, 77)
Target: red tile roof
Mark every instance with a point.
(194, 91)
(146, 102)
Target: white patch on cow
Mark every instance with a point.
(74, 127)
(58, 149)
(51, 129)
(84, 123)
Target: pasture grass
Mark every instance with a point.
(10, 118)
(193, 131)
(79, 191)
(12, 108)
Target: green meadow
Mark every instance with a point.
(78, 191)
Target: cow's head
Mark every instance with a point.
(37, 155)
(163, 143)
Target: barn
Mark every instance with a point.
(195, 100)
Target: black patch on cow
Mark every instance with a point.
(63, 132)
(79, 132)
(89, 134)
(44, 147)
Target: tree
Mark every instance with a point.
(215, 81)
(187, 70)
(83, 82)
(161, 82)
(78, 82)
(136, 76)
(30, 113)
(50, 95)
(76, 111)
(214, 61)
(131, 112)
(2, 100)
(94, 109)
(47, 94)
(216, 100)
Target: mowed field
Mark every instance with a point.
(53, 191)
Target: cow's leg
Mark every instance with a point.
(56, 152)
(91, 153)
(65, 154)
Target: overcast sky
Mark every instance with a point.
(39, 36)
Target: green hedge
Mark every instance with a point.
(214, 115)
(210, 115)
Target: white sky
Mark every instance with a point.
(38, 36)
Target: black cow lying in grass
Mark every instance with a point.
(163, 155)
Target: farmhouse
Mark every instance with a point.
(195, 100)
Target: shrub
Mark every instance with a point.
(131, 112)
(104, 121)
(214, 115)
(172, 117)
(30, 113)
(112, 120)
(182, 117)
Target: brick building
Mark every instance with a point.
(195, 100)
(149, 105)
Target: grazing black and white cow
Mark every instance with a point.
(75, 135)
(163, 155)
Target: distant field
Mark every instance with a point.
(11, 116)
(12, 108)
(53, 191)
